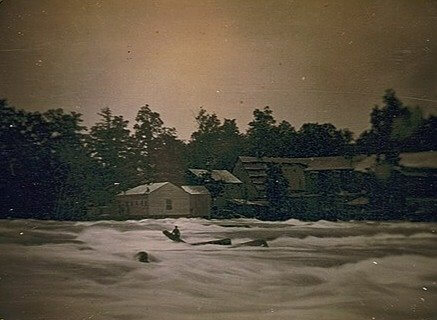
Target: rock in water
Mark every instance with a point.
(142, 256)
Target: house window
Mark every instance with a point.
(168, 204)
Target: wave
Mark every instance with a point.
(78, 270)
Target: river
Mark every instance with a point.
(322, 270)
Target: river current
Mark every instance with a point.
(322, 270)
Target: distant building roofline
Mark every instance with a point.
(196, 190)
(218, 175)
(143, 189)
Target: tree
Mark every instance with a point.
(419, 134)
(383, 138)
(229, 145)
(215, 145)
(287, 145)
(207, 123)
(38, 152)
(426, 135)
(321, 140)
(169, 161)
(393, 128)
(23, 136)
(266, 139)
(111, 144)
(71, 180)
(159, 152)
(261, 130)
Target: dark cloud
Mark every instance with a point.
(308, 60)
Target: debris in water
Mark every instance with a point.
(142, 256)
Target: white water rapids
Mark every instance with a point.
(320, 271)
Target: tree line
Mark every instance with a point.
(53, 167)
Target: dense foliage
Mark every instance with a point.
(52, 167)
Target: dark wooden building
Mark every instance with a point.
(304, 175)
(232, 186)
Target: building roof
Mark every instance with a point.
(360, 201)
(366, 164)
(195, 189)
(407, 160)
(419, 160)
(310, 164)
(332, 163)
(143, 189)
(261, 203)
(217, 175)
(409, 164)
(255, 160)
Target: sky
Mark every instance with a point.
(309, 60)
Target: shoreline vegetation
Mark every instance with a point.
(55, 168)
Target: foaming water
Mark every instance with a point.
(311, 270)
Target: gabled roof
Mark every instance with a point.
(333, 163)
(254, 160)
(144, 189)
(360, 201)
(419, 160)
(195, 189)
(366, 164)
(310, 164)
(261, 203)
(407, 160)
(218, 175)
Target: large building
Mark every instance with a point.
(304, 175)
(341, 179)
(232, 186)
(417, 172)
(163, 199)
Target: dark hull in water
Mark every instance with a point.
(220, 242)
(253, 243)
(171, 236)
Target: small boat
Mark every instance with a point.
(171, 236)
(221, 242)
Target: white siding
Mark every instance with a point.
(180, 201)
(135, 205)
